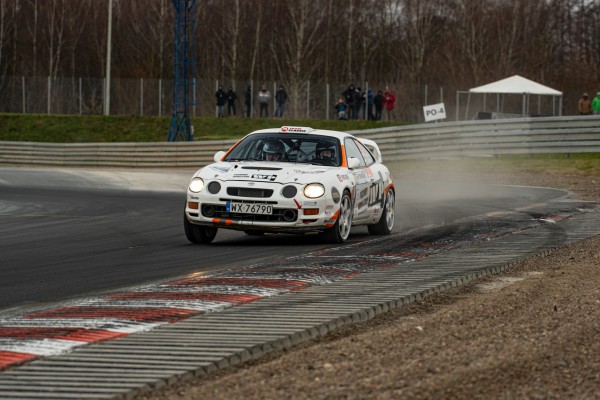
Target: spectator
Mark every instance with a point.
(596, 104)
(248, 101)
(349, 96)
(341, 109)
(264, 96)
(369, 101)
(280, 98)
(358, 98)
(221, 99)
(231, 97)
(585, 105)
(378, 102)
(390, 103)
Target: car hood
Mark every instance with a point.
(281, 172)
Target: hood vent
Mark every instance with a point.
(264, 168)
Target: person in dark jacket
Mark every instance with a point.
(349, 97)
(280, 98)
(231, 97)
(378, 102)
(221, 100)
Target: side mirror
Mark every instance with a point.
(218, 156)
(353, 163)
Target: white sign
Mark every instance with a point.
(434, 112)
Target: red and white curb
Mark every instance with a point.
(59, 329)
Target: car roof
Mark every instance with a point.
(304, 130)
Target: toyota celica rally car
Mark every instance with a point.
(292, 180)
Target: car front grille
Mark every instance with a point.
(249, 192)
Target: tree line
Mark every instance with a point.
(402, 43)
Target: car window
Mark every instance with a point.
(352, 150)
(296, 148)
(369, 159)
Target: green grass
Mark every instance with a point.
(86, 129)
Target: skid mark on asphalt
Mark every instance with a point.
(61, 328)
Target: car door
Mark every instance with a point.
(362, 178)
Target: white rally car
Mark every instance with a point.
(292, 180)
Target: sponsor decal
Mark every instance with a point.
(194, 197)
(360, 175)
(241, 175)
(340, 178)
(220, 168)
(264, 177)
(329, 207)
(309, 203)
(297, 129)
(300, 171)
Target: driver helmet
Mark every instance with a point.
(273, 151)
(324, 146)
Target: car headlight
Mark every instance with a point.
(196, 185)
(314, 190)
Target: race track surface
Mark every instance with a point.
(119, 254)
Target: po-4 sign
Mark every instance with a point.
(434, 112)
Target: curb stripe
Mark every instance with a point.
(108, 324)
(216, 297)
(74, 334)
(143, 314)
(12, 357)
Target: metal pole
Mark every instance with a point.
(23, 90)
(308, 100)
(141, 96)
(80, 96)
(49, 89)
(160, 97)
(108, 55)
(327, 104)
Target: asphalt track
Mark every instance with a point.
(83, 234)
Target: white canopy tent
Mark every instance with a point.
(514, 85)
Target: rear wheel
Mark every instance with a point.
(341, 230)
(386, 222)
(198, 233)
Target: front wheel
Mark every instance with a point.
(386, 222)
(341, 230)
(198, 233)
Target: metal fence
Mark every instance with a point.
(531, 136)
(307, 100)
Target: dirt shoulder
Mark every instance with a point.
(529, 332)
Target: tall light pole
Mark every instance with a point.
(108, 53)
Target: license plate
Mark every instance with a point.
(249, 208)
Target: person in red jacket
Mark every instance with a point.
(390, 104)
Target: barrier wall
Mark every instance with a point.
(434, 140)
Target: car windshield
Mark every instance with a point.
(293, 148)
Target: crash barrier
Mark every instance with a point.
(531, 136)
(550, 135)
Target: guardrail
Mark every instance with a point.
(434, 140)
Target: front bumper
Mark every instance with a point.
(295, 215)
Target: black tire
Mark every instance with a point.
(198, 233)
(341, 230)
(385, 225)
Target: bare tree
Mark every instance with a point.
(296, 49)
